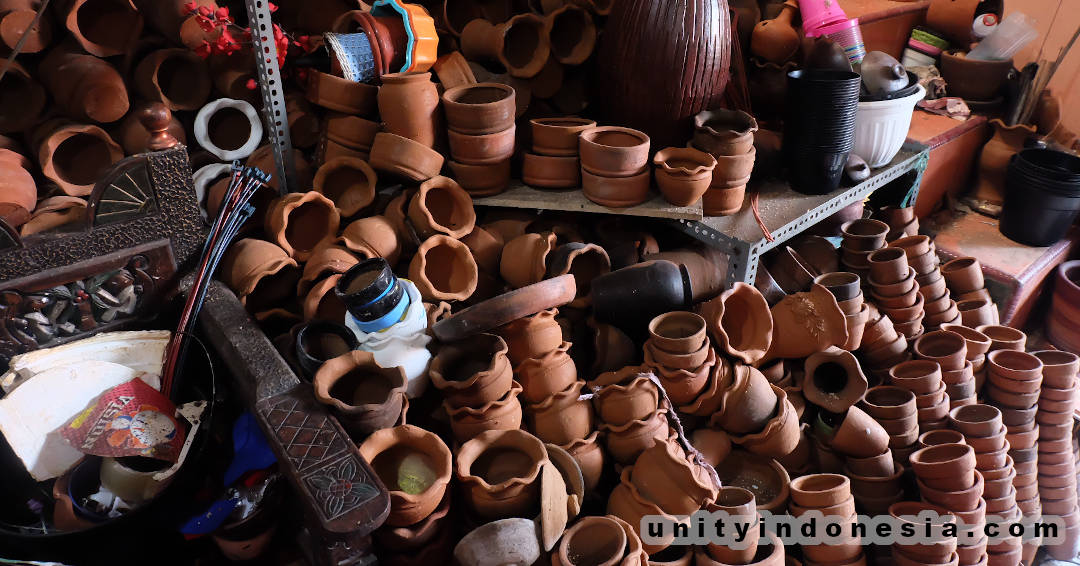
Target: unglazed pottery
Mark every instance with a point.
(473, 372)
(724, 132)
(178, 78)
(482, 149)
(373, 236)
(624, 396)
(995, 156)
(740, 321)
(415, 465)
(805, 323)
(482, 180)
(625, 442)
(443, 269)
(524, 259)
(74, 156)
(503, 414)
(404, 157)
(301, 222)
(83, 86)
(558, 136)
(348, 182)
(483, 108)
(532, 336)
(573, 34)
(562, 417)
(776, 40)
(521, 44)
(499, 472)
(683, 174)
(546, 374)
(666, 475)
(260, 273)
(834, 380)
(612, 151)
(441, 206)
(366, 396)
(859, 435)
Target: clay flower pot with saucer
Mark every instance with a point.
(683, 174)
(415, 465)
(740, 322)
(366, 396)
(499, 473)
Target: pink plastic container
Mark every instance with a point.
(817, 14)
(849, 36)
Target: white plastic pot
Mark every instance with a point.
(882, 126)
(202, 128)
(403, 344)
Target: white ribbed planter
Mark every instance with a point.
(882, 126)
(202, 128)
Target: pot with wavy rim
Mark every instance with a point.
(503, 414)
(627, 503)
(561, 418)
(780, 436)
(625, 442)
(443, 269)
(499, 473)
(373, 236)
(348, 182)
(590, 457)
(366, 396)
(749, 403)
(584, 261)
(623, 396)
(415, 465)
(834, 380)
(521, 44)
(683, 174)
(724, 132)
(532, 336)
(73, 155)
(740, 321)
(547, 374)
(666, 475)
(260, 273)
(301, 222)
(524, 259)
(472, 372)
(441, 206)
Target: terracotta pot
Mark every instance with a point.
(844, 286)
(776, 40)
(856, 324)
(503, 414)
(627, 503)
(963, 275)
(612, 151)
(683, 174)
(373, 236)
(302, 222)
(483, 108)
(415, 465)
(938, 545)
(551, 171)
(995, 156)
(780, 436)
(547, 374)
(902, 293)
(592, 540)
(348, 182)
(888, 265)
(561, 418)
(584, 261)
(625, 442)
(945, 466)
(740, 321)
(834, 381)
(521, 44)
(685, 385)
(173, 19)
(486, 149)
(820, 490)
(404, 157)
(51, 213)
(976, 420)
(750, 402)
(949, 350)
(764, 477)
(452, 69)
(482, 180)
(365, 396)
(260, 273)
(805, 323)
(859, 435)
(351, 131)
(472, 373)
(74, 156)
(738, 503)
(524, 259)
(409, 106)
(342, 95)
(18, 192)
(873, 466)
(443, 269)
(1014, 365)
(499, 472)
(678, 332)
(15, 19)
(724, 132)
(616, 192)
(733, 171)
(667, 476)
(102, 29)
(533, 336)
(624, 396)
(977, 342)
(1059, 368)
(1004, 337)
(590, 458)
(558, 136)
(21, 86)
(977, 312)
(175, 77)
(864, 234)
(572, 33)
(441, 206)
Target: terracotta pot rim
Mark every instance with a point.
(1003, 333)
(336, 368)
(413, 437)
(589, 135)
(530, 445)
(820, 489)
(1020, 362)
(945, 457)
(484, 344)
(638, 423)
(556, 401)
(703, 162)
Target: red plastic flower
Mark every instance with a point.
(204, 50)
(222, 13)
(205, 23)
(191, 7)
(251, 84)
(205, 11)
(272, 6)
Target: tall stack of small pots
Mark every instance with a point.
(727, 135)
(984, 431)
(819, 127)
(860, 238)
(895, 409)
(937, 305)
(829, 494)
(964, 278)
(923, 378)
(1057, 466)
(949, 350)
(481, 129)
(478, 386)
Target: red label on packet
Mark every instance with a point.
(131, 419)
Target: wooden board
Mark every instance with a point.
(520, 195)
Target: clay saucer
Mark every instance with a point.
(507, 307)
(762, 476)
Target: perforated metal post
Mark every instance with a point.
(270, 85)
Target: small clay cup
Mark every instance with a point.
(918, 376)
(945, 466)
(898, 288)
(977, 312)
(551, 172)
(1014, 365)
(1059, 368)
(946, 348)
(872, 466)
(943, 436)
(864, 234)
(678, 332)
(820, 490)
(889, 402)
(888, 265)
(976, 420)
(963, 275)
(558, 136)
(613, 151)
(477, 109)
(913, 245)
(843, 285)
(978, 344)
(1004, 337)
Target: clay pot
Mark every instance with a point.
(977, 342)
(864, 234)
(740, 321)
(174, 20)
(50, 213)
(805, 323)
(301, 222)
(616, 192)
(859, 435)
(533, 336)
(888, 265)
(820, 490)
(678, 332)
(889, 402)
(749, 404)
(834, 381)
(547, 374)
(592, 540)
(873, 466)
(625, 442)
(415, 465)
(1004, 337)
(348, 182)
(365, 396)
(683, 174)
(178, 78)
(1014, 365)
(667, 476)
(443, 269)
(764, 477)
(612, 151)
(776, 40)
(949, 350)
(963, 275)
(856, 324)
(938, 546)
(15, 19)
(584, 261)
(260, 273)
(977, 312)
(844, 286)
(738, 503)
(572, 33)
(780, 436)
(18, 192)
(441, 206)
(404, 157)
(590, 458)
(945, 466)
(83, 86)
(627, 503)
(724, 132)
(524, 259)
(624, 396)
(473, 372)
(1059, 368)
(562, 417)
(373, 236)
(486, 149)
(482, 180)
(976, 420)
(558, 136)
(499, 472)
(74, 156)
(995, 156)
(342, 95)
(723, 201)
(521, 44)
(477, 109)
(20, 85)
(733, 170)
(503, 414)
(409, 106)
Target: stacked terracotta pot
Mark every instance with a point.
(902, 221)
(922, 255)
(478, 387)
(349, 126)
(894, 290)
(984, 431)
(601, 540)
(847, 288)
(949, 350)
(554, 162)
(683, 174)
(632, 419)
(365, 396)
(939, 549)
(1061, 327)
(923, 378)
(615, 166)
(860, 238)
(512, 454)
(727, 135)
(947, 477)
(964, 278)
(412, 125)
(978, 344)
(664, 480)
(882, 346)
(481, 129)
(740, 506)
(1057, 466)
(829, 494)
(894, 409)
(438, 215)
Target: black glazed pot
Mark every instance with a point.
(321, 340)
(630, 297)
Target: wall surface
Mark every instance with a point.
(1056, 30)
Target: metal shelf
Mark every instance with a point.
(787, 213)
(520, 195)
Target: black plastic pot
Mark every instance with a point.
(630, 297)
(819, 129)
(319, 341)
(817, 172)
(1040, 205)
(369, 289)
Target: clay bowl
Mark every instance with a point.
(678, 332)
(909, 314)
(1015, 417)
(977, 342)
(820, 490)
(959, 376)
(885, 352)
(924, 264)
(932, 285)
(888, 265)
(404, 157)
(864, 234)
(963, 275)
(1030, 386)
(690, 361)
(551, 172)
(900, 425)
(874, 466)
(844, 509)
(683, 174)
(1059, 368)
(853, 306)
(879, 329)
(481, 108)
(558, 136)
(616, 192)
(877, 486)
(976, 420)
(959, 500)
(946, 348)
(993, 459)
(913, 245)
(902, 287)
(936, 437)
(1011, 399)
(918, 376)
(939, 546)
(482, 149)
(889, 402)
(945, 466)
(1004, 337)
(1014, 365)
(613, 151)
(843, 285)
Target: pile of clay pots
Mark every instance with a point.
(1061, 329)
(478, 387)
(938, 307)
(882, 347)
(894, 408)
(964, 279)
(615, 166)
(727, 135)
(554, 162)
(923, 378)
(1057, 465)
(861, 237)
(939, 549)
(829, 494)
(481, 129)
(947, 478)
(949, 351)
(982, 428)
(894, 290)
